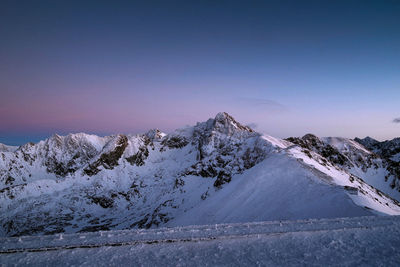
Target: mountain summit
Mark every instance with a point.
(227, 124)
(217, 171)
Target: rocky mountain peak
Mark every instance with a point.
(55, 140)
(308, 141)
(155, 134)
(225, 123)
(311, 138)
(368, 142)
(389, 149)
(110, 155)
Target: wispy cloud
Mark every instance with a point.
(262, 103)
(396, 120)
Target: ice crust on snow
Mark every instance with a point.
(371, 241)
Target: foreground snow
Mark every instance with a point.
(343, 241)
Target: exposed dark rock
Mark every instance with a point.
(179, 183)
(9, 180)
(229, 155)
(225, 160)
(385, 149)
(225, 123)
(351, 190)
(36, 224)
(154, 219)
(58, 168)
(141, 223)
(11, 191)
(154, 134)
(139, 158)
(62, 155)
(110, 159)
(95, 228)
(222, 178)
(312, 143)
(26, 153)
(104, 202)
(175, 142)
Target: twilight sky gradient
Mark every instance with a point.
(284, 67)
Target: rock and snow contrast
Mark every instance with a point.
(217, 171)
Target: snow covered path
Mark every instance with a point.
(342, 241)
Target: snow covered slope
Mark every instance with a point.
(5, 148)
(216, 171)
(369, 241)
(281, 187)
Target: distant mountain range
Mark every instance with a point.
(218, 171)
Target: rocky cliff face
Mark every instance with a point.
(372, 163)
(389, 149)
(224, 148)
(389, 152)
(312, 143)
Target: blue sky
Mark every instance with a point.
(285, 67)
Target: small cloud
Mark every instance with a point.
(252, 125)
(261, 103)
(396, 120)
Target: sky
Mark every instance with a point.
(286, 68)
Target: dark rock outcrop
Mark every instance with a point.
(109, 159)
(313, 143)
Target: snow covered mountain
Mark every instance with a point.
(389, 149)
(350, 155)
(217, 171)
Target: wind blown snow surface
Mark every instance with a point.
(369, 241)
